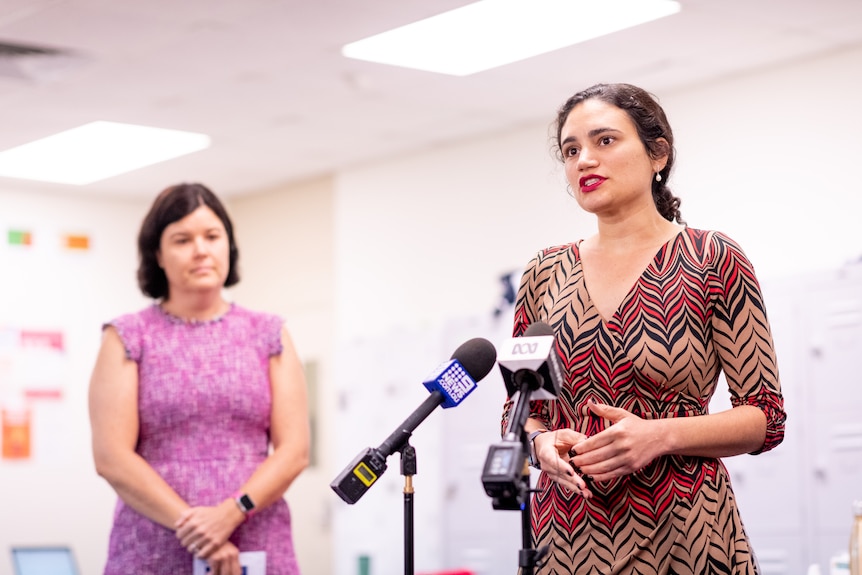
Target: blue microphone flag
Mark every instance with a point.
(452, 381)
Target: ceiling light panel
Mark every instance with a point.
(97, 151)
(492, 33)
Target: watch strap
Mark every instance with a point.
(534, 461)
(245, 503)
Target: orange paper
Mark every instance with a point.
(77, 242)
(16, 434)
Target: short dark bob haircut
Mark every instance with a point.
(171, 205)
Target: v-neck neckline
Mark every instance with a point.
(606, 322)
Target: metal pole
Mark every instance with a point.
(408, 470)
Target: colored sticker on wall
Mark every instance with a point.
(41, 339)
(37, 394)
(76, 242)
(19, 238)
(16, 434)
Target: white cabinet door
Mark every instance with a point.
(834, 394)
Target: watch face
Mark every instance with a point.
(246, 502)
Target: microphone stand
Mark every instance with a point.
(528, 556)
(408, 470)
(399, 441)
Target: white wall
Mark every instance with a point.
(57, 497)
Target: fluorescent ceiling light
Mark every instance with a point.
(96, 151)
(491, 33)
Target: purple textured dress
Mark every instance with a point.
(204, 403)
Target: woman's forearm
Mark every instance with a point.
(733, 432)
(141, 488)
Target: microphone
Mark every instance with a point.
(532, 360)
(531, 370)
(449, 385)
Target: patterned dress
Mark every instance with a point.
(204, 403)
(695, 311)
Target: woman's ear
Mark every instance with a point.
(661, 150)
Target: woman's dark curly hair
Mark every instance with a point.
(652, 125)
(171, 205)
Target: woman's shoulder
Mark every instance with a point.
(136, 319)
(242, 311)
(260, 319)
(707, 236)
(132, 329)
(261, 327)
(552, 251)
(707, 243)
(713, 251)
(550, 261)
(551, 254)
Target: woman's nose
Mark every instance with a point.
(586, 159)
(200, 245)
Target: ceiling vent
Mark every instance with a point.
(39, 64)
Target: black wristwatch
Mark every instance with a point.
(244, 502)
(534, 461)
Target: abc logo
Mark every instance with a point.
(524, 348)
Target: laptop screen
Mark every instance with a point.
(44, 561)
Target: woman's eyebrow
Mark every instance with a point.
(597, 131)
(592, 134)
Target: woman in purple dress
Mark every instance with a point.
(197, 406)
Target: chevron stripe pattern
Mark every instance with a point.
(696, 311)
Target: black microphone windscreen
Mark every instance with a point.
(537, 329)
(477, 356)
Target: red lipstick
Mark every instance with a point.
(590, 182)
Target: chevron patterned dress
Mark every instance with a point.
(696, 311)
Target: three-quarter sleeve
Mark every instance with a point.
(743, 338)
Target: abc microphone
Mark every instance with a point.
(531, 371)
(532, 360)
(449, 384)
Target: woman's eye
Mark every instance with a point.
(606, 140)
(572, 152)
